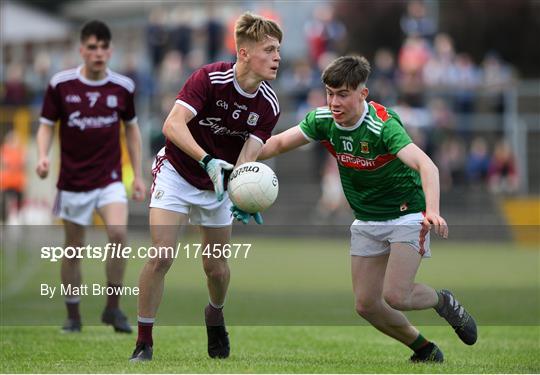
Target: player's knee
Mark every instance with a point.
(366, 308)
(396, 299)
(216, 272)
(117, 235)
(160, 265)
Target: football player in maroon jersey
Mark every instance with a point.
(221, 118)
(90, 102)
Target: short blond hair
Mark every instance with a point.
(253, 28)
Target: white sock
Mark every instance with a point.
(140, 319)
(216, 306)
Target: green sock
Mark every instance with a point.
(419, 343)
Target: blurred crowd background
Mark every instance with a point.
(463, 75)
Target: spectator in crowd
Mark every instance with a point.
(156, 36)
(38, 75)
(413, 56)
(300, 80)
(15, 90)
(442, 116)
(478, 162)
(383, 78)
(413, 117)
(466, 80)
(496, 78)
(13, 175)
(503, 174)
(451, 162)
(172, 72)
(438, 70)
(182, 30)
(144, 80)
(324, 33)
(417, 22)
(214, 35)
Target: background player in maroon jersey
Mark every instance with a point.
(222, 116)
(90, 101)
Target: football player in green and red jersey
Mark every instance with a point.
(393, 188)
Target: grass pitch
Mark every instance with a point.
(289, 310)
(312, 349)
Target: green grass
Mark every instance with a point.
(282, 279)
(290, 309)
(266, 350)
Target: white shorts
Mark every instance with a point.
(373, 238)
(78, 207)
(172, 192)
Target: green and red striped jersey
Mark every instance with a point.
(378, 185)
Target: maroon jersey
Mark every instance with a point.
(89, 114)
(225, 116)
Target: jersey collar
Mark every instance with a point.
(358, 123)
(239, 89)
(90, 82)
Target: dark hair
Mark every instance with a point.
(96, 28)
(350, 71)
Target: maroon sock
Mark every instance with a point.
(113, 299)
(73, 310)
(145, 333)
(213, 316)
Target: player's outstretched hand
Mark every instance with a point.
(42, 168)
(438, 223)
(216, 170)
(244, 216)
(139, 189)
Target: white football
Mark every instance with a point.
(253, 187)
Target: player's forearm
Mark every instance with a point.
(44, 140)
(429, 173)
(250, 151)
(271, 148)
(134, 146)
(179, 134)
(283, 142)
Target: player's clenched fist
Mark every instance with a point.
(42, 168)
